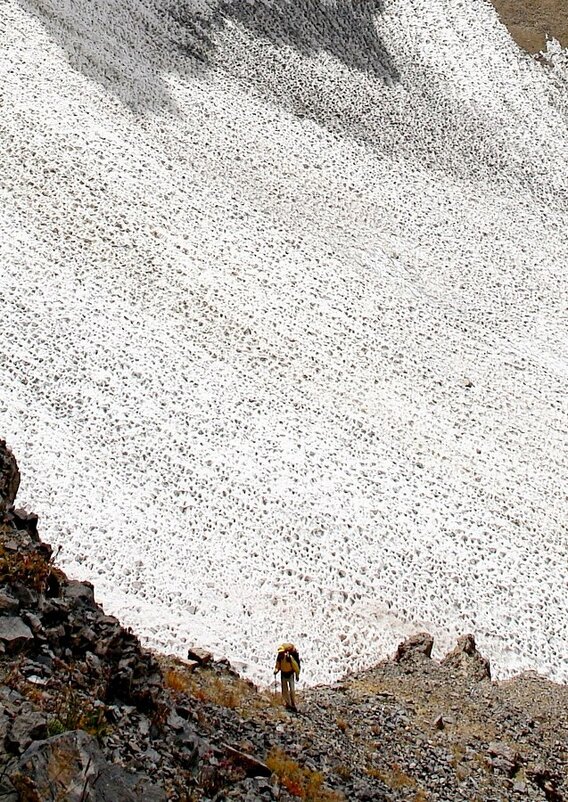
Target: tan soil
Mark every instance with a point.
(530, 22)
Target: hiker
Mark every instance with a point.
(288, 664)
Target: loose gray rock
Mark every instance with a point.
(504, 759)
(79, 593)
(8, 604)
(251, 765)
(27, 521)
(27, 727)
(71, 767)
(14, 634)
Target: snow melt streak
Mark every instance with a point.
(284, 340)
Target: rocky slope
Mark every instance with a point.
(87, 714)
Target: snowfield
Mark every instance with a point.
(284, 336)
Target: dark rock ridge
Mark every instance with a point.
(88, 715)
(9, 478)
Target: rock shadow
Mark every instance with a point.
(130, 47)
(126, 46)
(345, 29)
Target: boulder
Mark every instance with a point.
(419, 645)
(9, 479)
(79, 593)
(8, 604)
(252, 766)
(200, 656)
(28, 597)
(26, 521)
(467, 661)
(14, 634)
(503, 758)
(28, 726)
(71, 767)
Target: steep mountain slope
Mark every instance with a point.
(284, 329)
(86, 713)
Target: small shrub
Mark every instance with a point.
(394, 777)
(31, 568)
(55, 727)
(206, 686)
(341, 724)
(75, 712)
(343, 772)
(270, 699)
(176, 681)
(458, 754)
(298, 781)
(218, 692)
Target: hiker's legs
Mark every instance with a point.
(286, 694)
(291, 692)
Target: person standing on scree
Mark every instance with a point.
(288, 664)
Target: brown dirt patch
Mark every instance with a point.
(531, 21)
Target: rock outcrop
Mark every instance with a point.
(417, 646)
(467, 660)
(9, 479)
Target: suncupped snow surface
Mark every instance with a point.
(284, 345)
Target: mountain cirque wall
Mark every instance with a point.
(283, 336)
(87, 715)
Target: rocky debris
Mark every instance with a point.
(8, 604)
(71, 766)
(504, 758)
(27, 726)
(532, 22)
(79, 593)
(417, 646)
(546, 780)
(467, 660)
